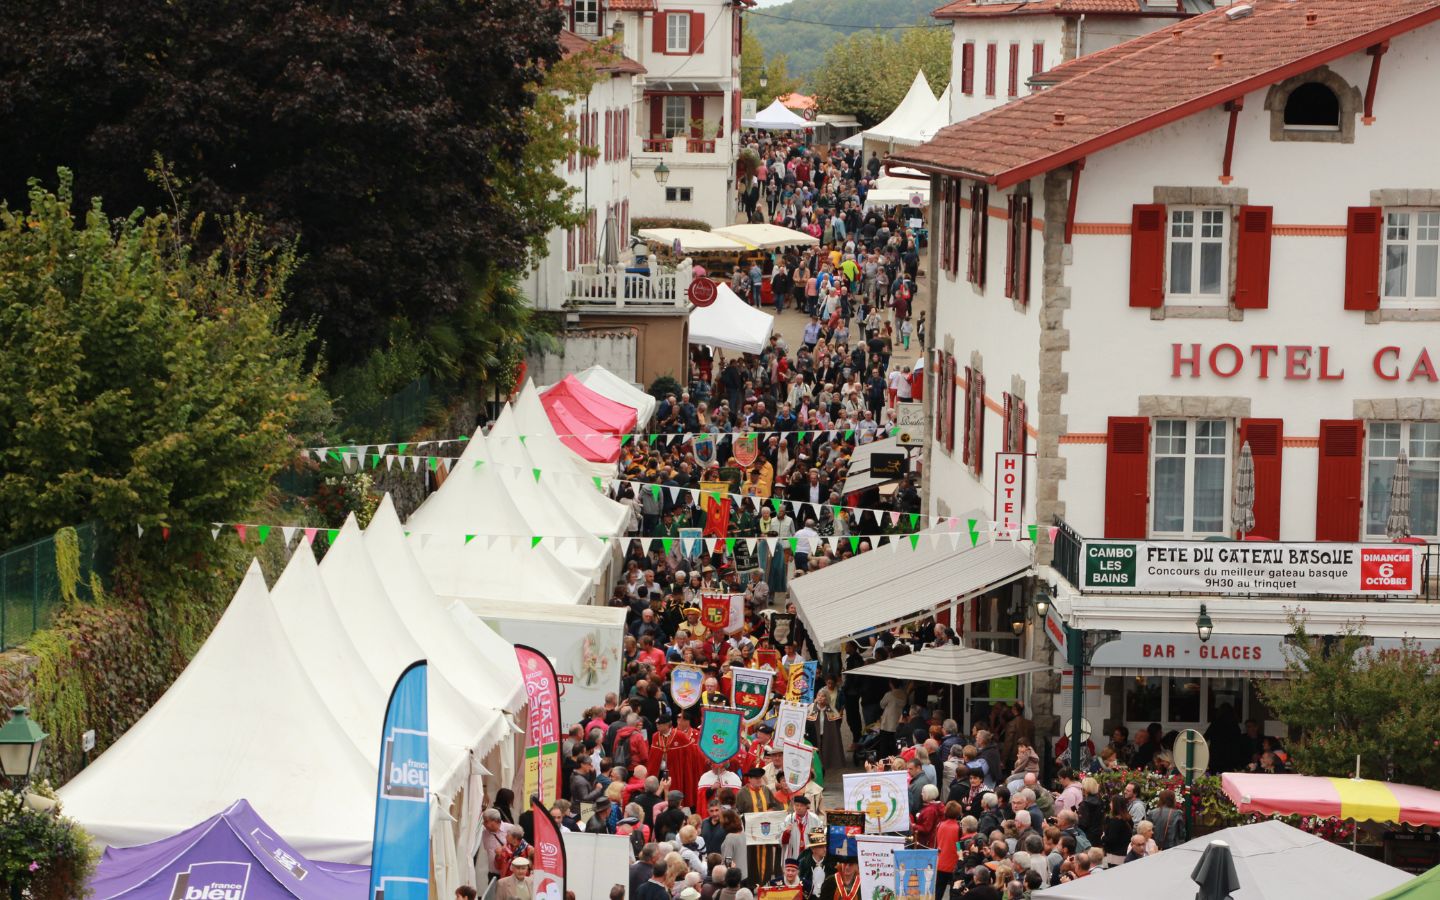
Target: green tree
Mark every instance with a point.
(868, 74)
(806, 29)
(140, 383)
(754, 62)
(1349, 701)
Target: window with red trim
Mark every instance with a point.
(1017, 249)
(979, 226)
(1014, 73)
(992, 53)
(967, 68)
(1037, 58)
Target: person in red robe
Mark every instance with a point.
(676, 752)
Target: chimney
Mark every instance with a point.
(1311, 17)
(1059, 118)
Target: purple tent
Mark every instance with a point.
(232, 855)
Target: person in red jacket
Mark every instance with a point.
(947, 836)
(924, 822)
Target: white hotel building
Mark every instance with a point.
(1225, 232)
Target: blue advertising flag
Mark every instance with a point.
(400, 861)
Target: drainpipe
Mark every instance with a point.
(1080, 37)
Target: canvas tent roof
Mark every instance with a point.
(777, 117)
(951, 664)
(889, 584)
(215, 850)
(1274, 861)
(603, 381)
(243, 718)
(692, 240)
(938, 118)
(892, 190)
(909, 115)
(587, 419)
(731, 323)
(858, 476)
(765, 236)
(592, 508)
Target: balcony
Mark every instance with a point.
(681, 147)
(1403, 572)
(606, 290)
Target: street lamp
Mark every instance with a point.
(1204, 626)
(764, 80)
(662, 172)
(1042, 603)
(20, 743)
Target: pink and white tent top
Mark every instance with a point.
(587, 422)
(1347, 798)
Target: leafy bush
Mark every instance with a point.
(666, 222)
(43, 855)
(664, 385)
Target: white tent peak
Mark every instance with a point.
(731, 323)
(606, 383)
(905, 120)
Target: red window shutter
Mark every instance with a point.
(697, 113)
(1010, 248)
(1014, 79)
(950, 403)
(1037, 58)
(734, 111)
(965, 436)
(977, 460)
(982, 204)
(569, 249)
(1147, 255)
(697, 33)
(1127, 477)
(657, 116)
(609, 134)
(1008, 428)
(1362, 257)
(967, 69)
(937, 394)
(942, 224)
(657, 32)
(991, 51)
(955, 184)
(1267, 445)
(1337, 499)
(1021, 438)
(1025, 234)
(1252, 258)
(737, 33)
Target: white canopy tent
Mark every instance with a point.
(905, 121)
(854, 141)
(692, 240)
(765, 236)
(243, 720)
(532, 419)
(938, 118)
(730, 323)
(777, 117)
(951, 664)
(895, 190)
(606, 383)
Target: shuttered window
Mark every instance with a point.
(1017, 249)
(1127, 476)
(979, 232)
(1337, 496)
(1147, 255)
(992, 53)
(1362, 257)
(1252, 257)
(967, 68)
(1265, 438)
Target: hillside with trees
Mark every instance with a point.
(805, 30)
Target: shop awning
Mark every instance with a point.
(730, 323)
(894, 583)
(1360, 799)
(692, 240)
(951, 664)
(764, 236)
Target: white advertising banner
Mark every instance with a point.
(1250, 567)
(876, 855)
(883, 797)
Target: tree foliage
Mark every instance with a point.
(868, 74)
(1348, 700)
(383, 137)
(754, 61)
(140, 384)
(805, 30)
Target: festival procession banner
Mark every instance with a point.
(915, 874)
(685, 685)
(763, 828)
(781, 893)
(790, 722)
(882, 797)
(723, 611)
(876, 855)
(549, 875)
(750, 692)
(782, 628)
(542, 726)
(720, 729)
(800, 682)
(1206, 567)
(798, 762)
(400, 860)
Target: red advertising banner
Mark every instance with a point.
(549, 854)
(542, 728)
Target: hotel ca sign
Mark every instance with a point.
(1295, 362)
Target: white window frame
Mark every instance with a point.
(587, 17)
(1413, 232)
(1194, 226)
(677, 32)
(1383, 442)
(673, 102)
(1163, 438)
(682, 195)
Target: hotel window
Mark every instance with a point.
(1198, 244)
(677, 33)
(1191, 468)
(677, 115)
(587, 17)
(1412, 256)
(1421, 443)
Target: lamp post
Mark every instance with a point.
(662, 172)
(764, 80)
(20, 743)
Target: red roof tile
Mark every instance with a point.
(618, 63)
(1164, 76)
(988, 8)
(631, 5)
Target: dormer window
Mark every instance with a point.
(1316, 106)
(1312, 107)
(587, 17)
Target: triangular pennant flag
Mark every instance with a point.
(310, 535)
(375, 460)
(954, 539)
(777, 503)
(730, 546)
(433, 463)
(140, 530)
(535, 541)
(332, 534)
(667, 543)
(974, 532)
(914, 541)
(914, 520)
(835, 512)
(536, 473)
(463, 438)
(854, 544)
(390, 463)
(599, 483)
(800, 435)
(240, 530)
(712, 543)
(165, 532)
(770, 543)
(625, 439)
(288, 531)
(469, 538)
(264, 532)
(794, 542)
(401, 448)
(655, 491)
(522, 438)
(320, 453)
(653, 439)
(849, 433)
(215, 530)
(674, 494)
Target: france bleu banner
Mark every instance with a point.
(400, 860)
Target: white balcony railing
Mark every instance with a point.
(600, 290)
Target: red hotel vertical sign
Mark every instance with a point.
(542, 729)
(1009, 492)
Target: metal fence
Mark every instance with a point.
(30, 584)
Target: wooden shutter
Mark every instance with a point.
(734, 111)
(979, 229)
(1037, 58)
(965, 436)
(1147, 255)
(991, 52)
(625, 133)
(657, 32)
(1013, 82)
(609, 134)
(1010, 247)
(967, 68)
(657, 116)
(1267, 445)
(937, 393)
(954, 234)
(950, 403)
(1337, 498)
(942, 225)
(1362, 257)
(1252, 258)
(697, 114)
(697, 33)
(977, 424)
(1024, 233)
(1127, 477)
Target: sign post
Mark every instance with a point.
(1192, 756)
(910, 420)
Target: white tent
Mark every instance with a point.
(500, 498)
(731, 323)
(905, 120)
(765, 236)
(938, 118)
(897, 190)
(692, 240)
(854, 141)
(606, 383)
(777, 117)
(242, 720)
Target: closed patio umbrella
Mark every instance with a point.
(1244, 504)
(1397, 524)
(611, 253)
(1215, 873)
